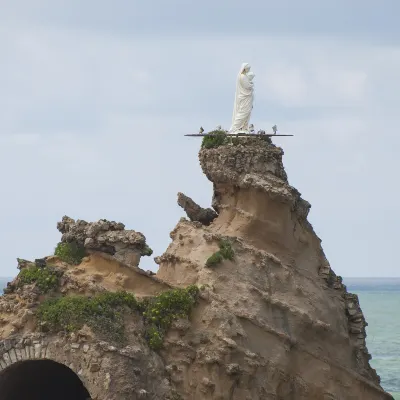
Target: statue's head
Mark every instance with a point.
(245, 68)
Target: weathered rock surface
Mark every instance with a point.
(129, 372)
(195, 212)
(110, 371)
(106, 236)
(275, 322)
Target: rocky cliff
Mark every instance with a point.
(244, 304)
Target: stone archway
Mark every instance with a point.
(81, 361)
(107, 372)
(41, 380)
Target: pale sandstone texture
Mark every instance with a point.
(109, 369)
(273, 321)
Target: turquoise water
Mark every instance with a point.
(380, 302)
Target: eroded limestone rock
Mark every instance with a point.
(275, 321)
(106, 236)
(272, 322)
(252, 164)
(195, 212)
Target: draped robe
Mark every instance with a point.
(243, 101)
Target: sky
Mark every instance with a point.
(95, 97)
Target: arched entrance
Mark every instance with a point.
(41, 380)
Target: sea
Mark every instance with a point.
(380, 302)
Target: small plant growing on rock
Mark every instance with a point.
(218, 139)
(70, 252)
(160, 311)
(46, 278)
(104, 313)
(154, 337)
(225, 253)
(214, 259)
(226, 249)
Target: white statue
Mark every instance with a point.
(243, 100)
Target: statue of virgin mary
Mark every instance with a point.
(243, 101)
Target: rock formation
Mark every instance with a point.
(195, 212)
(268, 318)
(106, 236)
(275, 322)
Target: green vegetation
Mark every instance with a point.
(46, 278)
(226, 249)
(214, 259)
(147, 251)
(210, 142)
(70, 252)
(225, 253)
(160, 311)
(104, 313)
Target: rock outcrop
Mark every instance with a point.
(271, 319)
(195, 212)
(276, 322)
(107, 237)
(110, 369)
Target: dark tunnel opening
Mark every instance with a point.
(41, 380)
